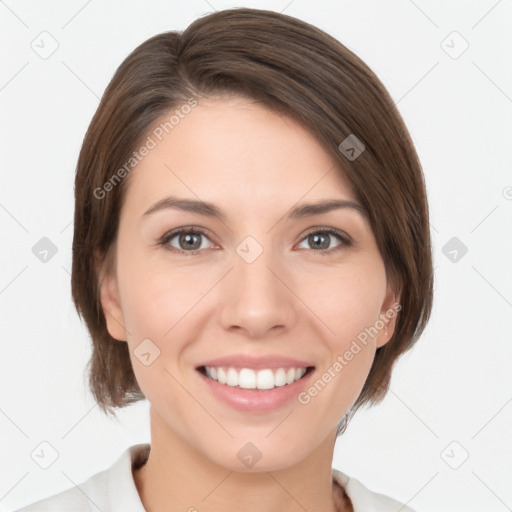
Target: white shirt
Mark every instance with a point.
(114, 490)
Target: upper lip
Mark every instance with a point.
(272, 361)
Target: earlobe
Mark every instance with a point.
(388, 318)
(111, 306)
(386, 333)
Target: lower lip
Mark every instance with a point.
(253, 400)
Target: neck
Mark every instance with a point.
(178, 476)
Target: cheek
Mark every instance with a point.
(155, 296)
(156, 305)
(348, 306)
(347, 303)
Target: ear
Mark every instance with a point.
(109, 297)
(388, 316)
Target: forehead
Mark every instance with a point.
(235, 151)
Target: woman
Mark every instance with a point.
(252, 255)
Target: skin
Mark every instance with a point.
(255, 165)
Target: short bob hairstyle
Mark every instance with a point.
(297, 70)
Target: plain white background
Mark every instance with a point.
(438, 441)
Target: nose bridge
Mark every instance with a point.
(252, 273)
(256, 299)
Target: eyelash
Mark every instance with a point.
(164, 241)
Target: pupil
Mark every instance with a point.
(188, 240)
(316, 239)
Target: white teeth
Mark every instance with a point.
(264, 380)
(232, 377)
(280, 377)
(221, 375)
(247, 378)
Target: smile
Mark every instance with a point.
(247, 378)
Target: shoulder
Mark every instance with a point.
(364, 499)
(71, 499)
(111, 490)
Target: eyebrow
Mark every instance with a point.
(210, 210)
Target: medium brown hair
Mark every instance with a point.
(288, 66)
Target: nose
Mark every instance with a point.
(257, 297)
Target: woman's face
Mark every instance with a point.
(252, 282)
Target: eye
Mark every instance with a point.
(321, 239)
(187, 239)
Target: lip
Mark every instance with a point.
(271, 361)
(253, 400)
